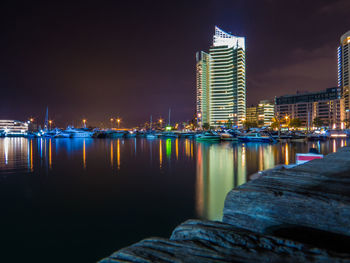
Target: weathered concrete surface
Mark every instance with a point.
(295, 215)
(315, 195)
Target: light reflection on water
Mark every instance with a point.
(219, 169)
(219, 166)
(94, 191)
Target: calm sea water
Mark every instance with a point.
(78, 200)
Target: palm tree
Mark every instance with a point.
(276, 124)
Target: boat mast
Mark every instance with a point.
(169, 117)
(46, 124)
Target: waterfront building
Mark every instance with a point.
(252, 114)
(344, 68)
(13, 127)
(326, 105)
(262, 114)
(202, 81)
(266, 111)
(221, 81)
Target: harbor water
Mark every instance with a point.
(78, 200)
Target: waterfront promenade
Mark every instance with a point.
(297, 215)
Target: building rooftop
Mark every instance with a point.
(222, 38)
(328, 94)
(345, 39)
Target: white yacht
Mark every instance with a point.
(77, 133)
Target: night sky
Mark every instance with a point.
(103, 59)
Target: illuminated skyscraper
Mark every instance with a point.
(223, 90)
(344, 68)
(202, 70)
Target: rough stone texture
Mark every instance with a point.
(250, 246)
(296, 215)
(314, 196)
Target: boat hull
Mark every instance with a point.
(208, 139)
(245, 139)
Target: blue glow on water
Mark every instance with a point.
(90, 197)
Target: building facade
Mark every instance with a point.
(262, 114)
(266, 111)
(326, 105)
(202, 82)
(13, 128)
(252, 114)
(221, 81)
(344, 68)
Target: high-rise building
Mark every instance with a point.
(344, 68)
(203, 78)
(221, 81)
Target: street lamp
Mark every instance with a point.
(50, 123)
(160, 123)
(118, 121)
(84, 123)
(199, 115)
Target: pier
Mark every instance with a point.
(301, 214)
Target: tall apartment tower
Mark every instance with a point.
(202, 80)
(344, 68)
(221, 81)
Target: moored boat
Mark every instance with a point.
(130, 134)
(168, 135)
(186, 134)
(115, 134)
(50, 133)
(208, 136)
(151, 136)
(62, 134)
(317, 137)
(255, 137)
(78, 133)
(228, 137)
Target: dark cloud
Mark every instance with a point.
(306, 71)
(338, 6)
